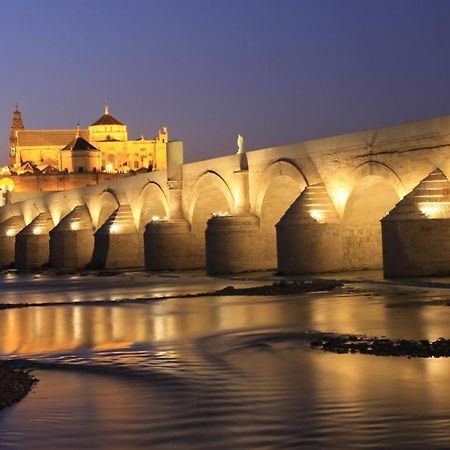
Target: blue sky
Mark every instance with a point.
(278, 71)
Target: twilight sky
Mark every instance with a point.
(276, 71)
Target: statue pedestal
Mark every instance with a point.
(233, 244)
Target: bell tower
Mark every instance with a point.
(16, 125)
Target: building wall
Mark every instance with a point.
(37, 153)
(108, 132)
(32, 185)
(117, 152)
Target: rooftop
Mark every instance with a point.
(107, 119)
(79, 143)
(48, 137)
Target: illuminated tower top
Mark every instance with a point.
(17, 123)
(108, 128)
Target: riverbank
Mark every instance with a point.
(15, 384)
(276, 288)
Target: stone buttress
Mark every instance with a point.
(309, 235)
(8, 230)
(32, 243)
(416, 233)
(118, 243)
(72, 240)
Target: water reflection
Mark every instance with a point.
(206, 373)
(19, 288)
(57, 329)
(64, 328)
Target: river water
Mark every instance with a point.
(220, 372)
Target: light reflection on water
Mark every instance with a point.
(205, 373)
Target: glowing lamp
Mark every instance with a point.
(109, 168)
(37, 230)
(114, 228)
(341, 195)
(156, 218)
(220, 214)
(75, 226)
(316, 215)
(430, 210)
(10, 232)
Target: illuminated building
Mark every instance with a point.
(102, 146)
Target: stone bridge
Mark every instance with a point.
(356, 201)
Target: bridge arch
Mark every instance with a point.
(30, 210)
(152, 201)
(281, 183)
(379, 169)
(281, 168)
(376, 189)
(61, 207)
(210, 181)
(210, 194)
(102, 206)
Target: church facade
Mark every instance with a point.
(102, 147)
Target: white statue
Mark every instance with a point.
(240, 144)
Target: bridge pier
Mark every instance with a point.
(72, 240)
(8, 230)
(117, 243)
(310, 235)
(416, 233)
(233, 244)
(168, 245)
(32, 243)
